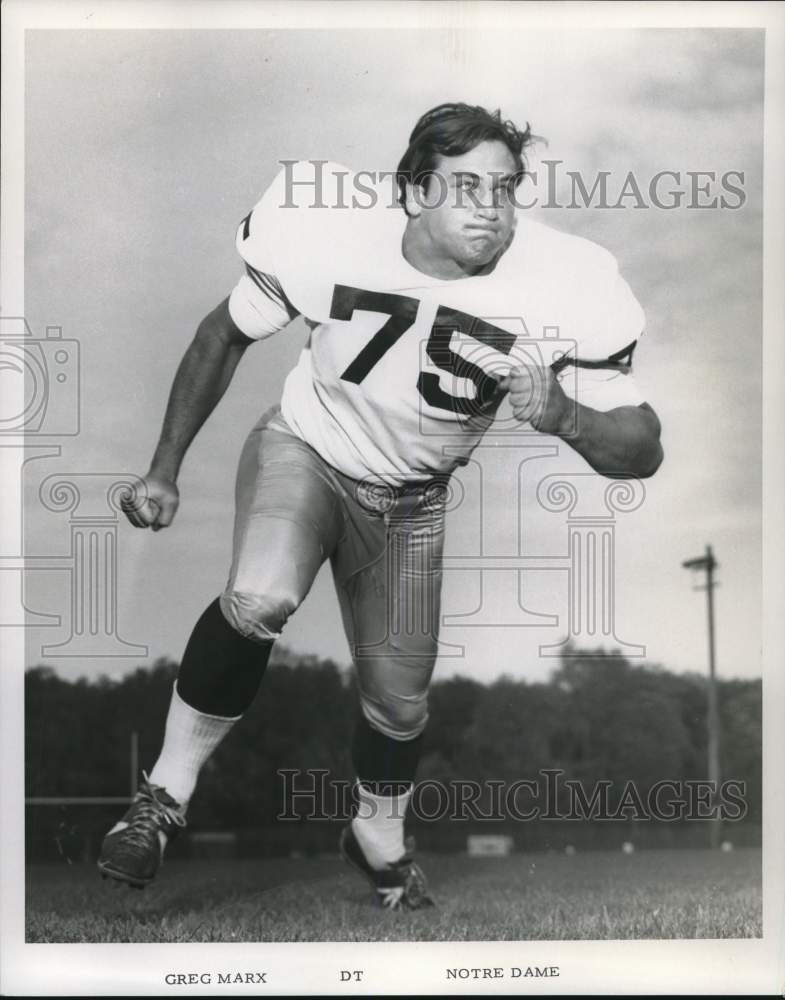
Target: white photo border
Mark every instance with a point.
(634, 967)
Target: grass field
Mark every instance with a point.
(597, 895)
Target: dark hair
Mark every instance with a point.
(454, 129)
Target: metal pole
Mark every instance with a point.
(714, 715)
(709, 563)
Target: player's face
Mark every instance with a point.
(468, 211)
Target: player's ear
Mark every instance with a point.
(415, 195)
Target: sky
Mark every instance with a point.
(143, 151)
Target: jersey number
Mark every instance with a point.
(401, 311)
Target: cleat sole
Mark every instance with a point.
(123, 877)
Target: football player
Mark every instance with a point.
(421, 319)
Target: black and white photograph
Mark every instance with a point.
(392, 588)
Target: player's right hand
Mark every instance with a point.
(151, 504)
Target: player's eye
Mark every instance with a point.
(503, 193)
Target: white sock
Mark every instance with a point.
(189, 740)
(378, 825)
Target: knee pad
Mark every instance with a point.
(400, 717)
(257, 616)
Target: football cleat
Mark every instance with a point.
(399, 886)
(133, 849)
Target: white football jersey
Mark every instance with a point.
(397, 381)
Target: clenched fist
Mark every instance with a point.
(537, 397)
(153, 504)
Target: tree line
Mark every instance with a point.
(599, 720)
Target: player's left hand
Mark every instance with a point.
(537, 397)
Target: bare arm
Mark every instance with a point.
(618, 443)
(202, 377)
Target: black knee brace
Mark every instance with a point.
(221, 669)
(384, 766)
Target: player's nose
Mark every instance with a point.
(486, 210)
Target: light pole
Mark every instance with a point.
(708, 563)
